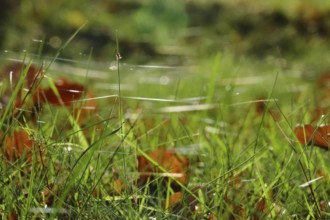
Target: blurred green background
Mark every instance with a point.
(171, 32)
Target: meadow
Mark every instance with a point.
(206, 126)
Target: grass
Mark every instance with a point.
(242, 164)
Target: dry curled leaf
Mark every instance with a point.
(309, 135)
(175, 165)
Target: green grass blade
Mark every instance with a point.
(14, 95)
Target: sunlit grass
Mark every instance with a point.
(242, 163)
(230, 114)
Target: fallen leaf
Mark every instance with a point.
(13, 216)
(85, 108)
(261, 108)
(309, 135)
(324, 206)
(175, 199)
(324, 80)
(304, 133)
(233, 208)
(321, 172)
(11, 74)
(67, 93)
(19, 145)
(318, 114)
(260, 210)
(49, 194)
(117, 186)
(176, 166)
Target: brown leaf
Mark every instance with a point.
(49, 193)
(260, 210)
(324, 80)
(175, 199)
(85, 107)
(14, 70)
(324, 206)
(13, 216)
(176, 166)
(321, 173)
(12, 73)
(234, 209)
(318, 114)
(261, 108)
(309, 135)
(68, 92)
(19, 145)
(117, 186)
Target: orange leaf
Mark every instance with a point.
(318, 114)
(13, 216)
(49, 193)
(304, 133)
(13, 70)
(324, 80)
(86, 108)
(12, 73)
(117, 186)
(18, 145)
(176, 166)
(234, 209)
(261, 108)
(260, 210)
(308, 135)
(175, 199)
(68, 92)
